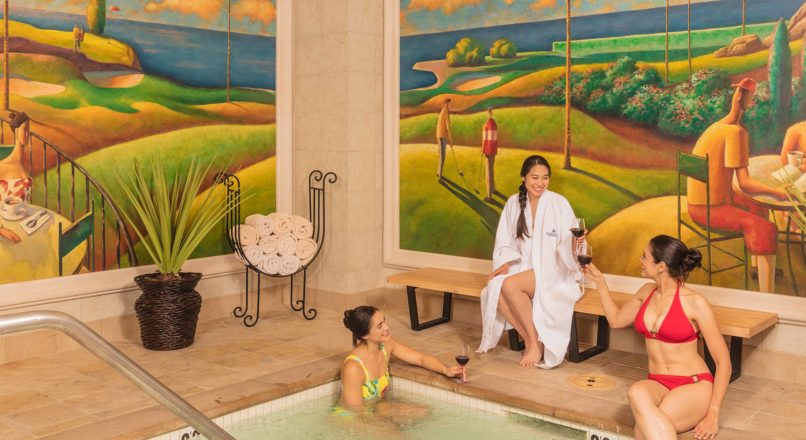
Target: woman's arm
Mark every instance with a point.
(704, 318)
(414, 357)
(505, 251)
(618, 317)
(352, 378)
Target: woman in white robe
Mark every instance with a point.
(534, 285)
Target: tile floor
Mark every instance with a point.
(75, 396)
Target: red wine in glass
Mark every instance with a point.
(584, 259)
(578, 232)
(462, 359)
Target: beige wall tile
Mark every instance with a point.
(365, 16)
(308, 55)
(334, 17)
(334, 53)
(770, 365)
(364, 52)
(3, 349)
(66, 343)
(308, 17)
(365, 171)
(785, 338)
(362, 252)
(366, 134)
(366, 91)
(334, 126)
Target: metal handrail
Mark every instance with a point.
(98, 346)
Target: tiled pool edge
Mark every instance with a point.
(398, 383)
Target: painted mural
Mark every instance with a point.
(483, 85)
(107, 82)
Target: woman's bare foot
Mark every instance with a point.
(532, 355)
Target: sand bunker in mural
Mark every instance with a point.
(114, 80)
(474, 84)
(33, 89)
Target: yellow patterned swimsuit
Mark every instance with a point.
(373, 389)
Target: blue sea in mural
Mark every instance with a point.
(188, 55)
(539, 36)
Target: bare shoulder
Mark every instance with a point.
(645, 290)
(694, 299)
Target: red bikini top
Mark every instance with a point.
(675, 328)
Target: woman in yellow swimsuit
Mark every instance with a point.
(365, 375)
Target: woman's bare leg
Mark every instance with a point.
(686, 405)
(650, 421)
(517, 291)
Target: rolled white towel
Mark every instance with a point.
(262, 224)
(269, 244)
(282, 224)
(289, 264)
(301, 227)
(286, 245)
(254, 254)
(271, 264)
(306, 248)
(248, 234)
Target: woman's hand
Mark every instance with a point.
(500, 271)
(9, 235)
(707, 428)
(454, 371)
(593, 272)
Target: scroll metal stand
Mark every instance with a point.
(317, 181)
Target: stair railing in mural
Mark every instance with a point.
(46, 159)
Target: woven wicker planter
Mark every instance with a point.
(168, 310)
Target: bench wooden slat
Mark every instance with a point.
(732, 321)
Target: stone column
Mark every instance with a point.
(338, 126)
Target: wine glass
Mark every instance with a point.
(578, 228)
(462, 357)
(584, 255)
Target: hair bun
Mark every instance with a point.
(348, 318)
(692, 260)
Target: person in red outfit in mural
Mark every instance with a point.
(15, 180)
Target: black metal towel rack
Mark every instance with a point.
(317, 181)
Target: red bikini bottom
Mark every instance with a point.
(672, 382)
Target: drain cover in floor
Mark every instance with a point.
(592, 381)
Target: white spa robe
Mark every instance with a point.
(547, 251)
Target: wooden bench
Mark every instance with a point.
(736, 323)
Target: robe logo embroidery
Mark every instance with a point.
(552, 233)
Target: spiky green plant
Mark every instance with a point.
(163, 215)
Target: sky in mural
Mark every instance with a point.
(248, 16)
(425, 16)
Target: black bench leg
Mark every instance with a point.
(602, 341)
(514, 343)
(447, 304)
(735, 357)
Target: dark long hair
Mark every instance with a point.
(17, 119)
(357, 321)
(522, 231)
(678, 258)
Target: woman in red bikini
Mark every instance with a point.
(679, 394)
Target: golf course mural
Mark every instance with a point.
(483, 85)
(106, 83)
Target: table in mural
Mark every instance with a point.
(36, 256)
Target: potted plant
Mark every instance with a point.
(170, 224)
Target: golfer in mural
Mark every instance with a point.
(726, 143)
(533, 287)
(443, 134)
(489, 148)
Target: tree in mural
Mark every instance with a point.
(567, 149)
(503, 48)
(780, 75)
(467, 52)
(96, 16)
